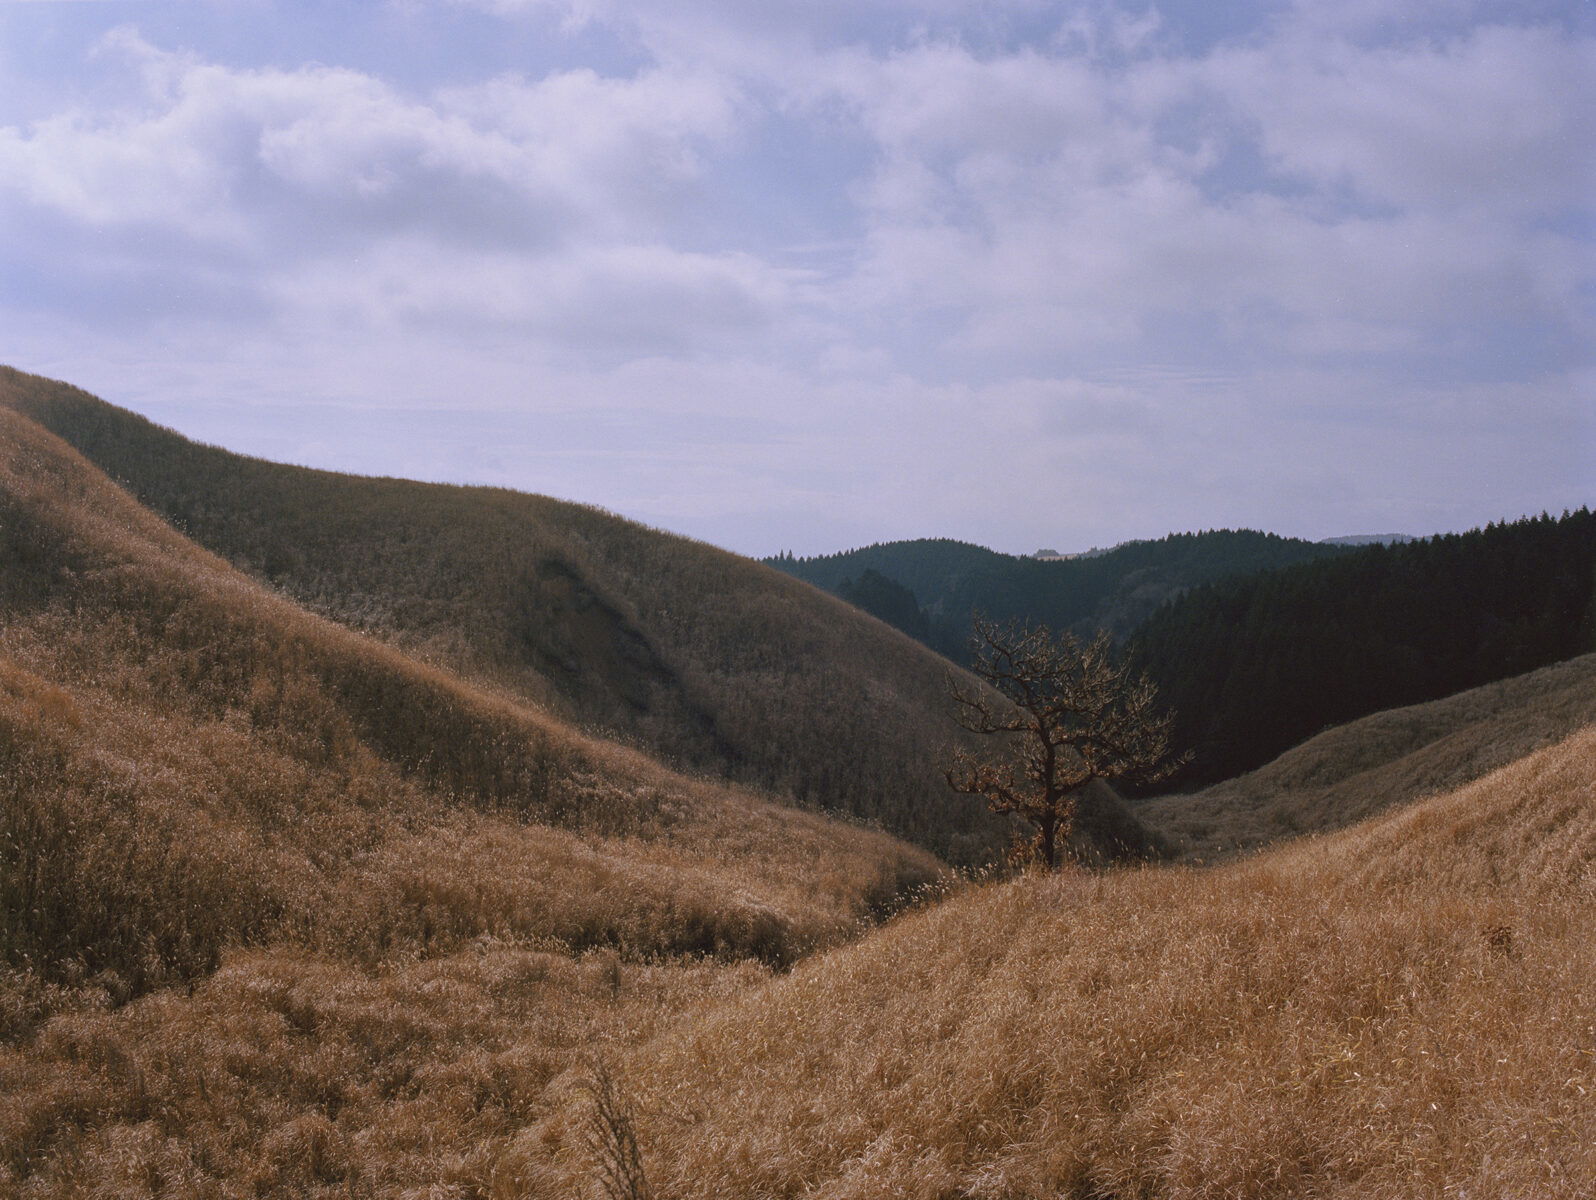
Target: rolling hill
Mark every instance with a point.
(277, 895)
(709, 661)
(1382, 761)
(333, 878)
(1399, 1008)
(191, 761)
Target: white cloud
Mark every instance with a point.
(547, 204)
(603, 302)
(213, 149)
(1501, 120)
(1049, 253)
(1038, 201)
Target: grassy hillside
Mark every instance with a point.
(1399, 1010)
(1115, 590)
(1382, 761)
(191, 761)
(283, 909)
(292, 908)
(714, 662)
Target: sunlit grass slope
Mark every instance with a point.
(189, 761)
(1391, 758)
(719, 663)
(284, 910)
(288, 1073)
(1403, 1009)
(288, 909)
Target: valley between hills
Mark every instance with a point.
(365, 837)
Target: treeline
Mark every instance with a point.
(947, 581)
(1254, 665)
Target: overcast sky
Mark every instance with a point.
(812, 275)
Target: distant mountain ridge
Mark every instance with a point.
(1256, 641)
(1115, 589)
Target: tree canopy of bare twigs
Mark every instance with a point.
(613, 1140)
(1065, 712)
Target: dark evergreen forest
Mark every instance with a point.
(1115, 590)
(1254, 665)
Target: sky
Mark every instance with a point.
(807, 276)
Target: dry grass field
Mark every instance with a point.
(294, 907)
(283, 908)
(240, 767)
(1403, 1009)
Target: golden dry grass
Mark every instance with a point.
(706, 659)
(1402, 1010)
(286, 911)
(292, 1074)
(191, 760)
(1380, 762)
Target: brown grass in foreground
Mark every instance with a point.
(292, 1074)
(1404, 1010)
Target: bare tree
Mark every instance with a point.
(1069, 713)
(613, 1139)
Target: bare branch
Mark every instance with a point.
(1072, 714)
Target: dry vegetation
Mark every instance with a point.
(1406, 1009)
(291, 1074)
(1382, 761)
(714, 662)
(289, 910)
(172, 730)
(450, 895)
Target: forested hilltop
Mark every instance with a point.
(1258, 641)
(1254, 665)
(1114, 590)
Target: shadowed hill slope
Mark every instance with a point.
(716, 662)
(1257, 664)
(188, 761)
(1382, 761)
(1401, 1009)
